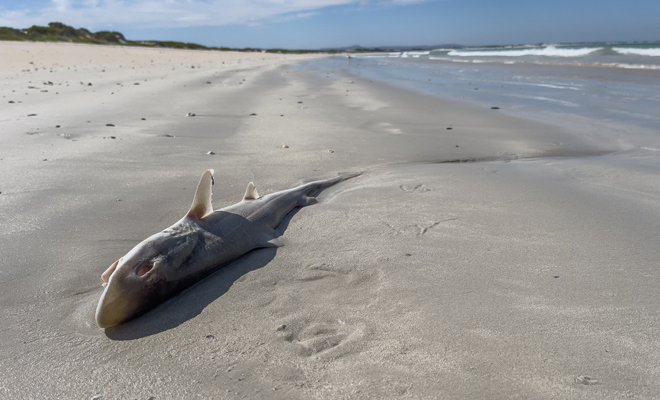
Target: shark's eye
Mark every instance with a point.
(144, 269)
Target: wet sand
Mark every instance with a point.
(500, 258)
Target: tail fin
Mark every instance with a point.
(316, 186)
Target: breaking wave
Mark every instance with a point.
(638, 52)
(550, 51)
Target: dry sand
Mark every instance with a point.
(528, 270)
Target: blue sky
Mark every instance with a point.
(336, 23)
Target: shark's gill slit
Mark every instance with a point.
(144, 269)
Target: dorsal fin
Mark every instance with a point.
(251, 192)
(201, 205)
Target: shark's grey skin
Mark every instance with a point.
(196, 246)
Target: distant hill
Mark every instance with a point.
(59, 32)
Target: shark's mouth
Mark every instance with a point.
(108, 272)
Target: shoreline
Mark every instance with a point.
(615, 106)
(514, 274)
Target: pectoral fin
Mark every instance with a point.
(274, 242)
(201, 205)
(269, 239)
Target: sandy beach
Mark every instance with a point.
(479, 255)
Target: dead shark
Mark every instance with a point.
(200, 243)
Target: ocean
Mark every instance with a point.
(636, 55)
(608, 90)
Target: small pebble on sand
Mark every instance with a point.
(285, 146)
(109, 124)
(190, 115)
(210, 153)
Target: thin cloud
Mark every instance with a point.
(293, 17)
(101, 14)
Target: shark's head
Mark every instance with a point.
(144, 277)
(152, 270)
(131, 284)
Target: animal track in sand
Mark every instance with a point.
(323, 340)
(319, 271)
(416, 229)
(415, 189)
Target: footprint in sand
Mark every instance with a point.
(322, 339)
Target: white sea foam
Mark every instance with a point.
(650, 148)
(562, 102)
(630, 66)
(638, 52)
(513, 62)
(550, 51)
(414, 54)
(551, 86)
